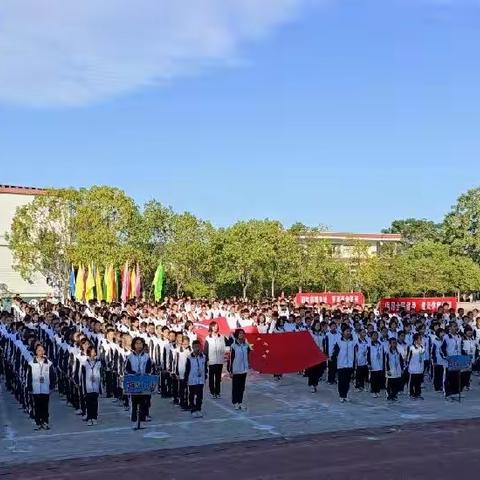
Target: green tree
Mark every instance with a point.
(415, 230)
(42, 237)
(188, 252)
(462, 225)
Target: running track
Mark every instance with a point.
(447, 450)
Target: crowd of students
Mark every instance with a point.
(86, 350)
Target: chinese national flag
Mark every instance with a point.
(201, 328)
(284, 352)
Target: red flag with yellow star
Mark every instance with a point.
(276, 353)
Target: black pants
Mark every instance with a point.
(315, 373)
(344, 378)
(215, 378)
(238, 387)
(405, 379)
(166, 384)
(40, 408)
(140, 402)
(332, 370)
(195, 397)
(438, 371)
(416, 380)
(393, 387)
(91, 401)
(109, 384)
(465, 379)
(183, 393)
(376, 381)
(452, 383)
(175, 389)
(361, 376)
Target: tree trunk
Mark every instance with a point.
(244, 291)
(273, 287)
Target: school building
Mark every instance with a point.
(350, 245)
(11, 282)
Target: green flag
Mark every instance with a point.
(158, 282)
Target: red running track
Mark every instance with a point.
(438, 451)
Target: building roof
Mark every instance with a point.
(389, 237)
(17, 190)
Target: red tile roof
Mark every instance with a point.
(16, 190)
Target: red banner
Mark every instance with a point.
(416, 304)
(284, 352)
(330, 298)
(201, 328)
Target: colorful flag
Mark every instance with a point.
(71, 283)
(125, 282)
(90, 285)
(271, 352)
(133, 282)
(118, 285)
(99, 285)
(158, 282)
(138, 283)
(80, 284)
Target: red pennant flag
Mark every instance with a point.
(284, 352)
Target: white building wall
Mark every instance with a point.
(8, 276)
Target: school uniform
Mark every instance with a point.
(344, 353)
(139, 364)
(195, 375)
(452, 345)
(469, 348)
(330, 341)
(393, 369)
(214, 351)
(238, 367)
(375, 358)
(316, 372)
(439, 364)
(402, 348)
(416, 367)
(180, 364)
(40, 380)
(361, 363)
(91, 380)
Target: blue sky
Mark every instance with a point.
(349, 113)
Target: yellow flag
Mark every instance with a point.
(80, 284)
(133, 281)
(98, 285)
(90, 285)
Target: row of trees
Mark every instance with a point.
(102, 225)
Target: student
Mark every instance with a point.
(469, 347)
(331, 339)
(393, 369)
(361, 361)
(40, 381)
(315, 373)
(416, 366)
(438, 360)
(375, 357)
(238, 366)
(402, 348)
(180, 364)
(91, 378)
(195, 375)
(138, 362)
(214, 350)
(452, 345)
(344, 355)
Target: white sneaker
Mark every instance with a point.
(236, 406)
(90, 423)
(241, 406)
(95, 422)
(148, 419)
(314, 389)
(375, 395)
(78, 412)
(84, 418)
(342, 400)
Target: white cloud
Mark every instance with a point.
(75, 52)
